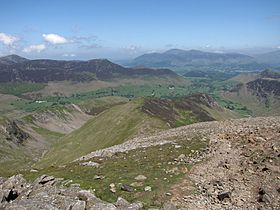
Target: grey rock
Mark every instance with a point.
(86, 195)
(103, 206)
(79, 205)
(90, 164)
(127, 188)
(223, 195)
(147, 189)
(169, 206)
(121, 202)
(140, 178)
(45, 179)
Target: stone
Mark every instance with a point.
(14, 182)
(182, 156)
(90, 164)
(169, 206)
(79, 205)
(44, 179)
(136, 184)
(147, 189)
(263, 196)
(16, 194)
(121, 202)
(86, 195)
(12, 195)
(140, 178)
(223, 196)
(75, 185)
(98, 177)
(113, 188)
(177, 146)
(127, 188)
(103, 206)
(135, 206)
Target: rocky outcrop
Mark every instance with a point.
(263, 88)
(15, 133)
(169, 110)
(48, 193)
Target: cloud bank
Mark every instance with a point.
(7, 39)
(34, 48)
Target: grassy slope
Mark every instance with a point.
(221, 115)
(12, 158)
(110, 127)
(156, 163)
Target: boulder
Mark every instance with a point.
(169, 206)
(147, 189)
(123, 204)
(45, 179)
(127, 188)
(79, 205)
(140, 178)
(223, 196)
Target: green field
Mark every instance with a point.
(19, 88)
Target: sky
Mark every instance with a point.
(124, 29)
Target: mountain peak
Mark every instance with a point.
(174, 51)
(12, 59)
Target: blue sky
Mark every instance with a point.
(122, 29)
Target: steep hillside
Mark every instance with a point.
(24, 139)
(187, 110)
(113, 126)
(258, 92)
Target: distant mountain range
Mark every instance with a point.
(176, 57)
(191, 59)
(272, 58)
(16, 68)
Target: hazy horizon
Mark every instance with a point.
(126, 29)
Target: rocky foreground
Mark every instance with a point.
(239, 170)
(48, 193)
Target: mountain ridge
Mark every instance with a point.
(179, 57)
(16, 68)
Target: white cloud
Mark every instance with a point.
(34, 48)
(7, 39)
(278, 47)
(132, 49)
(54, 39)
(218, 51)
(69, 55)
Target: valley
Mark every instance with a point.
(100, 133)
